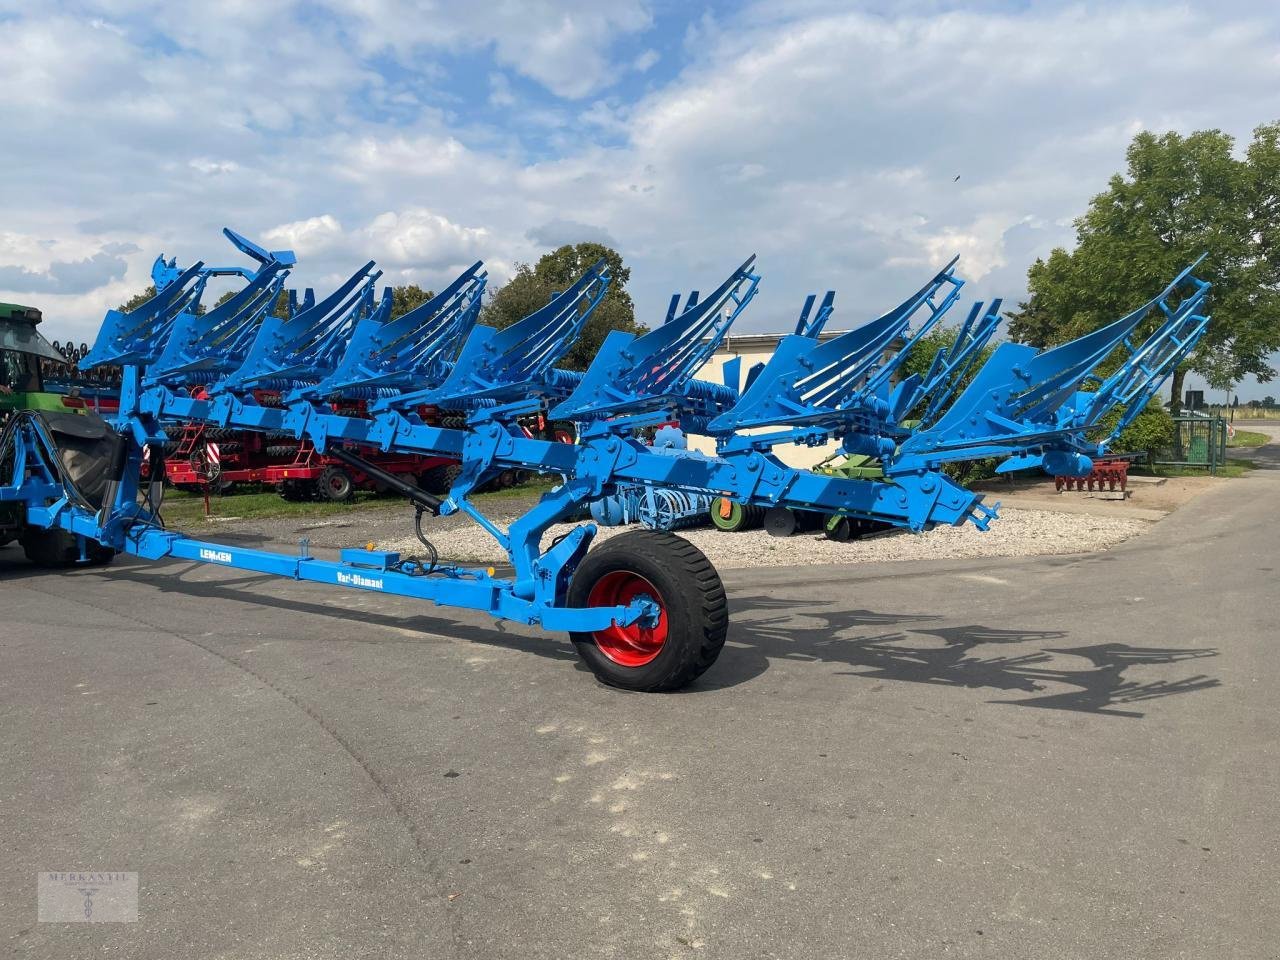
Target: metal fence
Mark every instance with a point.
(1198, 441)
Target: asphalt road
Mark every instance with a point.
(1036, 758)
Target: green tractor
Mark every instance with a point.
(21, 349)
(80, 443)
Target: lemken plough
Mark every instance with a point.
(646, 610)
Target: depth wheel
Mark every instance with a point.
(839, 529)
(334, 484)
(690, 631)
(732, 517)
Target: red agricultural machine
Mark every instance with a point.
(219, 458)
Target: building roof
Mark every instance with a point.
(735, 343)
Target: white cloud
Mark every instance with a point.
(826, 140)
(420, 238)
(213, 167)
(562, 44)
(308, 237)
(645, 61)
(500, 94)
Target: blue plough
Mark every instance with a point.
(645, 609)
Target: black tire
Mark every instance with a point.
(334, 484)
(298, 491)
(839, 529)
(741, 517)
(439, 479)
(864, 527)
(57, 548)
(282, 450)
(696, 613)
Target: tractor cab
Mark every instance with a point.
(21, 349)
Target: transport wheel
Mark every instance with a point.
(732, 517)
(334, 484)
(781, 522)
(690, 631)
(58, 548)
(439, 479)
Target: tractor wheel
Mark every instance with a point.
(439, 479)
(334, 484)
(732, 517)
(695, 614)
(57, 548)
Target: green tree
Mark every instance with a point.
(1150, 431)
(280, 309)
(408, 297)
(138, 299)
(403, 299)
(920, 359)
(1180, 197)
(532, 286)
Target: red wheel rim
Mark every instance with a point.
(638, 644)
(337, 483)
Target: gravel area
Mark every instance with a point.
(1017, 533)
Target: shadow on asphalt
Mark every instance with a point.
(874, 646)
(894, 647)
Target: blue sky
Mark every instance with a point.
(825, 137)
